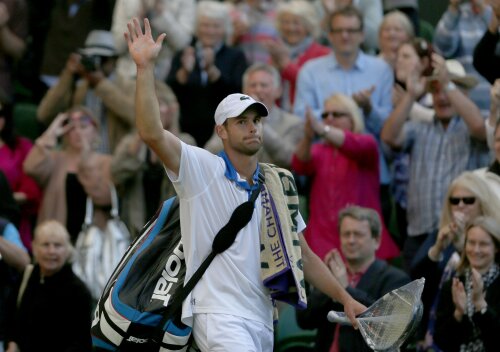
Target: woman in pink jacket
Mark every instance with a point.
(13, 151)
(344, 171)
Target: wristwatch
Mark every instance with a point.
(326, 129)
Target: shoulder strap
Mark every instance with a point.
(89, 207)
(240, 217)
(26, 276)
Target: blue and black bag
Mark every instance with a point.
(141, 306)
(138, 309)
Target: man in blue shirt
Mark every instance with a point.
(349, 71)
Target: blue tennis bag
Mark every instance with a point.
(138, 310)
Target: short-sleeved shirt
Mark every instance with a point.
(210, 189)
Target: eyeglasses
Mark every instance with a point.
(335, 114)
(465, 200)
(349, 31)
(83, 120)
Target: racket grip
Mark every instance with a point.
(338, 317)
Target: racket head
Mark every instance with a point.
(388, 322)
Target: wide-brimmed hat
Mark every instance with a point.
(458, 75)
(99, 43)
(234, 105)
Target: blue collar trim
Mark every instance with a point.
(232, 174)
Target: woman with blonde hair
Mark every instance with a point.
(468, 311)
(344, 170)
(468, 197)
(299, 28)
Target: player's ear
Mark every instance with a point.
(221, 131)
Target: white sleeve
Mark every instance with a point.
(198, 167)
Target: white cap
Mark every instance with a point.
(234, 105)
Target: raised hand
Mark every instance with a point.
(142, 47)
(477, 289)
(279, 53)
(73, 64)
(459, 298)
(311, 125)
(61, 125)
(334, 262)
(397, 94)
(208, 58)
(415, 84)
(188, 59)
(440, 70)
(362, 98)
(445, 236)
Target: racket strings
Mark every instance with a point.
(387, 321)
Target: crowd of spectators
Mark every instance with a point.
(394, 141)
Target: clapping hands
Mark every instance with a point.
(459, 294)
(362, 98)
(279, 53)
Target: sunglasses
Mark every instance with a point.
(335, 114)
(465, 200)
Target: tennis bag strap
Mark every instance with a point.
(223, 240)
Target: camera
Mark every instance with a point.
(91, 63)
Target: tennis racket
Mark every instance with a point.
(388, 322)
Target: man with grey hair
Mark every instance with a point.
(362, 275)
(206, 71)
(282, 130)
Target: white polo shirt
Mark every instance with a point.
(210, 189)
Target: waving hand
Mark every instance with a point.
(142, 47)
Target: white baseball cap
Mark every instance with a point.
(234, 105)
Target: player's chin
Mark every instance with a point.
(252, 149)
